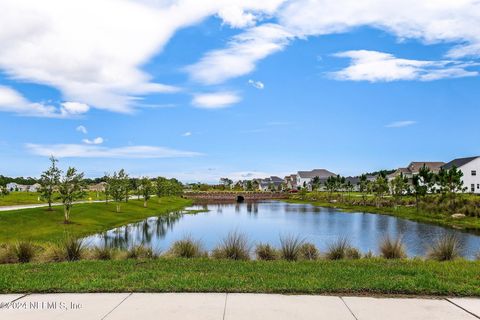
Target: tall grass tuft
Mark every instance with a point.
(353, 253)
(23, 251)
(266, 252)
(102, 253)
(187, 248)
(7, 255)
(445, 248)
(72, 248)
(337, 249)
(290, 247)
(392, 248)
(140, 252)
(235, 246)
(308, 251)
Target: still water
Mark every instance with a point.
(267, 221)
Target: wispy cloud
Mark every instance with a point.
(401, 124)
(186, 134)
(97, 140)
(377, 66)
(82, 129)
(95, 151)
(215, 100)
(256, 84)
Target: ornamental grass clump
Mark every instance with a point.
(72, 248)
(187, 248)
(234, 246)
(337, 250)
(445, 248)
(140, 252)
(266, 252)
(290, 247)
(392, 248)
(102, 253)
(308, 251)
(23, 251)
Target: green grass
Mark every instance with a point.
(410, 213)
(358, 277)
(41, 225)
(20, 198)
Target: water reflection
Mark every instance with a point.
(265, 221)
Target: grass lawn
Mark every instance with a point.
(18, 198)
(41, 225)
(358, 277)
(411, 213)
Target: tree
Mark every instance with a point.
(364, 187)
(398, 186)
(168, 187)
(49, 180)
(3, 191)
(146, 188)
(348, 188)
(71, 189)
(117, 187)
(380, 187)
(226, 182)
(331, 185)
(451, 183)
(315, 183)
(422, 183)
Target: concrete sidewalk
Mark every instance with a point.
(232, 306)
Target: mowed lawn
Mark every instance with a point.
(42, 225)
(19, 198)
(357, 277)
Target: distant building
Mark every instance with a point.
(470, 168)
(99, 187)
(291, 182)
(414, 168)
(13, 186)
(304, 178)
(268, 183)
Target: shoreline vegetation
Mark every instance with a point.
(405, 208)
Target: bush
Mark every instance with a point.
(308, 251)
(23, 251)
(353, 253)
(187, 248)
(234, 246)
(7, 255)
(337, 250)
(140, 252)
(290, 247)
(266, 252)
(392, 248)
(369, 255)
(53, 253)
(445, 248)
(72, 248)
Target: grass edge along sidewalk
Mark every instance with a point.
(356, 277)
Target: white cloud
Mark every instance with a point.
(97, 140)
(241, 54)
(12, 101)
(379, 66)
(95, 151)
(256, 84)
(186, 134)
(215, 100)
(401, 124)
(82, 129)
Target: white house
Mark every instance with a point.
(273, 181)
(470, 168)
(304, 178)
(13, 186)
(414, 168)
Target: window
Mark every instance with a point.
(478, 185)
(472, 187)
(474, 172)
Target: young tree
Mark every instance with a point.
(330, 185)
(364, 187)
(422, 183)
(315, 183)
(380, 187)
(398, 187)
(49, 180)
(117, 187)
(146, 188)
(451, 183)
(71, 188)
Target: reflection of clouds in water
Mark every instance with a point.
(265, 221)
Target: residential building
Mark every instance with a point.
(291, 182)
(273, 181)
(304, 178)
(414, 168)
(470, 168)
(13, 186)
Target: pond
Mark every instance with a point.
(267, 221)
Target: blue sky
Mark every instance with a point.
(201, 90)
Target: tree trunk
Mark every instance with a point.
(144, 203)
(118, 207)
(66, 213)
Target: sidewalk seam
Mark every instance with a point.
(116, 306)
(225, 306)
(467, 311)
(346, 305)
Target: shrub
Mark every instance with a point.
(23, 251)
(72, 248)
(308, 251)
(234, 246)
(353, 253)
(337, 250)
(140, 252)
(102, 253)
(7, 255)
(392, 248)
(187, 248)
(53, 253)
(290, 247)
(265, 252)
(369, 255)
(446, 247)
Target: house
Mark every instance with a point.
(414, 168)
(304, 178)
(13, 186)
(291, 181)
(35, 187)
(271, 182)
(470, 168)
(99, 187)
